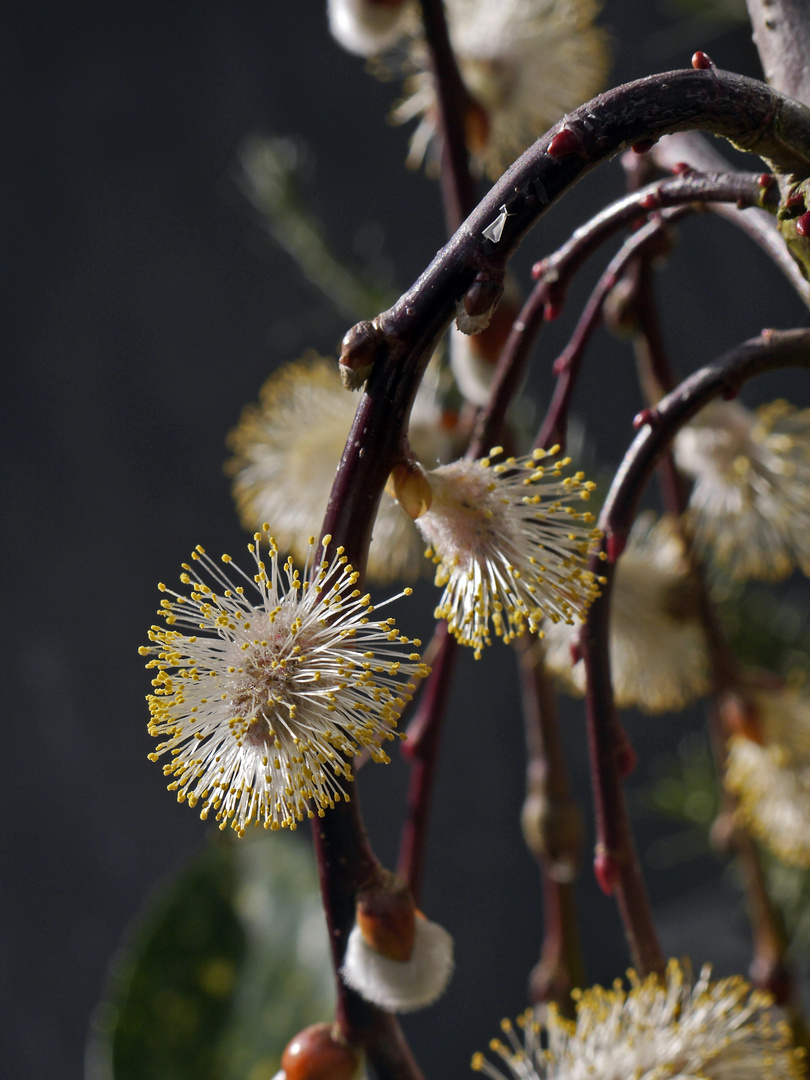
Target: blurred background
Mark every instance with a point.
(145, 304)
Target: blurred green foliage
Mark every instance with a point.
(226, 963)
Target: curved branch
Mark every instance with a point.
(567, 365)
(693, 149)
(692, 187)
(768, 352)
(743, 110)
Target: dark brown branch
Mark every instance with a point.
(556, 272)
(741, 109)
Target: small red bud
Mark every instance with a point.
(560, 365)
(651, 201)
(794, 200)
(701, 62)
(766, 180)
(646, 416)
(564, 143)
(803, 225)
(552, 310)
(680, 168)
(626, 759)
(605, 870)
(616, 543)
(643, 146)
(316, 1053)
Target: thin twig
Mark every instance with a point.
(770, 351)
(452, 103)
(421, 748)
(743, 189)
(769, 968)
(553, 430)
(552, 827)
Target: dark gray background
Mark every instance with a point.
(144, 306)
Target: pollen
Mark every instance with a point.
(283, 654)
(505, 559)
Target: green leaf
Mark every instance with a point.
(228, 961)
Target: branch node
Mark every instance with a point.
(605, 869)
(360, 349)
(565, 143)
(646, 416)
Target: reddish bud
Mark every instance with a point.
(701, 62)
(317, 1053)
(564, 143)
(539, 269)
(605, 870)
(386, 916)
(616, 543)
(650, 201)
(626, 758)
(646, 416)
(794, 200)
(643, 146)
(552, 310)
(681, 168)
(803, 225)
(766, 181)
(560, 365)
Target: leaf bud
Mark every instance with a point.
(360, 349)
(318, 1053)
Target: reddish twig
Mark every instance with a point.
(619, 869)
(553, 430)
(743, 189)
(452, 103)
(421, 748)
